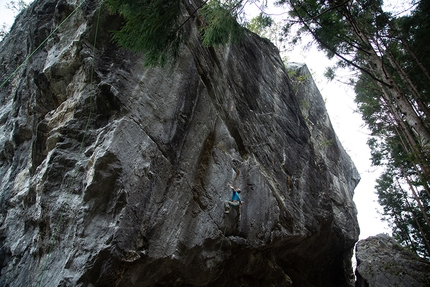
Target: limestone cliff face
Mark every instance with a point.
(118, 177)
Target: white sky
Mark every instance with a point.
(6, 15)
(347, 124)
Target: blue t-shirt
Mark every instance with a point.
(235, 196)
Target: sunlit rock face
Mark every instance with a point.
(383, 262)
(113, 174)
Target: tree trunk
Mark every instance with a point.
(419, 63)
(412, 88)
(420, 229)
(402, 103)
(411, 145)
(416, 197)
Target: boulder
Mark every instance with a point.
(382, 262)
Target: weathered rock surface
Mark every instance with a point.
(118, 177)
(382, 262)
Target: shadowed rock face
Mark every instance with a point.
(383, 262)
(119, 178)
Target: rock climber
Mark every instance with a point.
(235, 201)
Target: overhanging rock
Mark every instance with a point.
(119, 178)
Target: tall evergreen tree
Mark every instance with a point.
(157, 28)
(151, 27)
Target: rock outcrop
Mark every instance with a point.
(382, 262)
(116, 175)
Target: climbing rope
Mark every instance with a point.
(75, 172)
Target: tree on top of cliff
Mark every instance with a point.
(158, 27)
(151, 27)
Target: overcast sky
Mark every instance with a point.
(6, 15)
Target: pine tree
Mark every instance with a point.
(157, 28)
(150, 27)
(220, 23)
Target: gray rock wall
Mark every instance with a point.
(382, 262)
(119, 177)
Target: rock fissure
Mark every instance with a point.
(152, 139)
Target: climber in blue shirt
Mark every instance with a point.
(235, 201)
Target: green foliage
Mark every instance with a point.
(330, 73)
(157, 28)
(297, 80)
(408, 224)
(326, 142)
(336, 27)
(260, 23)
(221, 26)
(3, 31)
(305, 105)
(401, 164)
(150, 27)
(411, 38)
